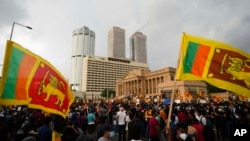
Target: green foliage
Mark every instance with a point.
(109, 92)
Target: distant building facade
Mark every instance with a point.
(102, 72)
(83, 44)
(138, 47)
(155, 83)
(116, 43)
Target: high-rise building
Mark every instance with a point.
(83, 44)
(102, 72)
(138, 47)
(116, 42)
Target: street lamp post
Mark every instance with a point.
(20, 25)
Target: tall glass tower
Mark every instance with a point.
(138, 47)
(83, 44)
(116, 42)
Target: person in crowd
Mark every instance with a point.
(99, 127)
(77, 127)
(172, 131)
(91, 121)
(196, 124)
(181, 115)
(86, 136)
(5, 132)
(154, 128)
(121, 120)
(127, 120)
(22, 132)
(192, 132)
(69, 133)
(44, 132)
(182, 134)
(134, 128)
(220, 121)
(107, 134)
(31, 137)
(206, 124)
(147, 115)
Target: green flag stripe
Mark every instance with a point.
(190, 57)
(10, 87)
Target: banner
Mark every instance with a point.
(217, 63)
(28, 79)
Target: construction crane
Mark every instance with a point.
(139, 30)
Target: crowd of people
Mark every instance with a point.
(130, 121)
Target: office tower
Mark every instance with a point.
(83, 44)
(102, 72)
(116, 42)
(138, 47)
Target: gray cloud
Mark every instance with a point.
(12, 11)
(53, 22)
(226, 21)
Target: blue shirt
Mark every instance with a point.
(44, 133)
(91, 118)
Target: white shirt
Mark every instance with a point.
(121, 117)
(203, 120)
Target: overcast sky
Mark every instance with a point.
(54, 20)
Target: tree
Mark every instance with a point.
(109, 92)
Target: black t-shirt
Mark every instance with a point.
(134, 130)
(4, 131)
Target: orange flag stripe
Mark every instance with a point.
(23, 74)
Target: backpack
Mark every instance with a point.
(208, 121)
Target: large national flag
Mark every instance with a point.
(29, 79)
(217, 63)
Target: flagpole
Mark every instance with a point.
(173, 92)
(171, 104)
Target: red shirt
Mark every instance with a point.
(181, 116)
(198, 127)
(152, 130)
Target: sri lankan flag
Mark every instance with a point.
(243, 98)
(201, 93)
(188, 95)
(56, 136)
(31, 80)
(216, 98)
(214, 62)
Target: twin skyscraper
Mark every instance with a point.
(84, 45)
(117, 45)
